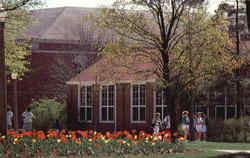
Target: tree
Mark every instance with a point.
(17, 43)
(236, 13)
(156, 30)
(248, 13)
(7, 6)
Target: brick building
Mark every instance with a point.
(112, 97)
(61, 47)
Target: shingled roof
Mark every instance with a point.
(58, 23)
(121, 69)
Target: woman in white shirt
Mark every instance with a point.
(27, 121)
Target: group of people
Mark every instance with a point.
(28, 116)
(199, 125)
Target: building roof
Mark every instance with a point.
(121, 69)
(59, 23)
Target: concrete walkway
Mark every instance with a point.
(234, 151)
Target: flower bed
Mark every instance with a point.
(54, 143)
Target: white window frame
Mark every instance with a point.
(114, 106)
(225, 106)
(84, 106)
(138, 106)
(161, 106)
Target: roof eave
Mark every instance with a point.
(109, 82)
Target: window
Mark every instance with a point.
(223, 112)
(107, 103)
(138, 107)
(86, 103)
(161, 103)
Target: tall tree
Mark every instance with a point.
(236, 14)
(11, 5)
(14, 6)
(156, 29)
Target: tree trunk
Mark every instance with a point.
(248, 13)
(237, 74)
(15, 104)
(3, 88)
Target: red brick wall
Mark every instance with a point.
(122, 109)
(44, 80)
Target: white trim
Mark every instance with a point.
(108, 82)
(161, 106)
(100, 104)
(138, 106)
(86, 106)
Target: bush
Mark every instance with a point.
(46, 111)
(231, 130)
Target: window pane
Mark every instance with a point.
(230, 112)
(164, 98)
(220, 113)
(104, 95)
(165, 110)
(104, 114)
(82, 96)
(135, 95)
(142, 114)
(142, 95)
(89, 96)
(158, 98)
(111, 114)
(82, 114)
(158, 109)
(135, 114)
(111, 95)
(89, 114)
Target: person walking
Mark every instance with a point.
(9, 118)
(157, 123)
(27, 121)
(199, 124)
(185, 124)
(167, 123)
(204, 127)
(194, 127)
(248, 125)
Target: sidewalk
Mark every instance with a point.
(234, 151)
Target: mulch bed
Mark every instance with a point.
(236, 155)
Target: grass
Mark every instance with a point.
(207, 148)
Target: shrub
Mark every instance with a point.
(231, 130)
(46, 111)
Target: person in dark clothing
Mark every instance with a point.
(56, 125)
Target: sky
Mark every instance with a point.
(97, 3)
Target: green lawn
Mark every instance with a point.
(207, 149)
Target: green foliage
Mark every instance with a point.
(46, 111)
(17, 43)
(231, 130)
